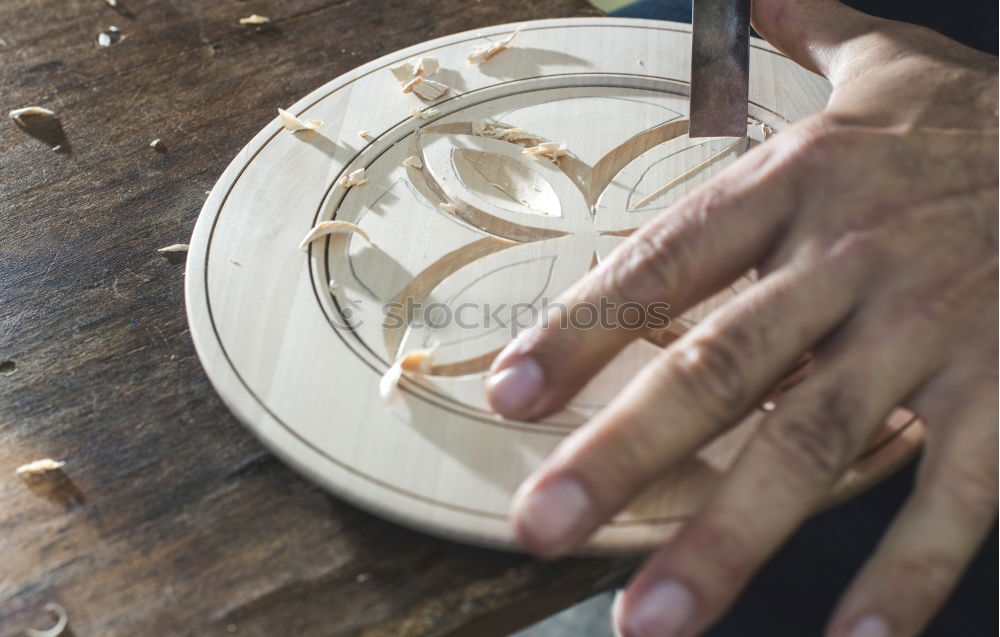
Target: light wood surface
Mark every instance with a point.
(481, 225)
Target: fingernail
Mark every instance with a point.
(665, 610)
(513, 389)
(870, 626)
(617, 619)
(550, 514)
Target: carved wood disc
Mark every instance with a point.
(469, 241)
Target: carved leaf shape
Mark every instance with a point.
(503, 181)
(474, 311)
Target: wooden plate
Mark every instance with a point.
(299, 361)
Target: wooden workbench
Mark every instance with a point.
(178, 522)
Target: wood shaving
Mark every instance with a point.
(177, 247)
(448, 207)
(354, 178)
(324, 228)
(505, 133)
(294, 124)
(549, 150)
(483, 53)
(20, 114)
(416, 362)
(422, 113)
(413, 162)
(423, 67)
(112, 35)
(254, 19)
(363, 134)
(61, 621)
(425, 89)
(39, 468)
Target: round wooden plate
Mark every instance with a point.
(299, 360)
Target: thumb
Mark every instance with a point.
(814, 33)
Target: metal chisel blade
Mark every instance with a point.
(720, 61)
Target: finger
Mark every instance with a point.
(783, 475)
(812, 32)
(939, 529)
(701, 385)
(690, 251)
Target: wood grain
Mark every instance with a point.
(188, 525)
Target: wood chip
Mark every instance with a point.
(422, 113)
(415, 362)
(354, 178)
(363, 134)
(549, 150)
(325, 228)
(112, 35)
(423, 67)
(483, 53)
(425, 89)
(177, 247)
(506, 133)
(413, 162)
(56, 631)
(294, 124)
(39, 468)
(255, 19)
(19, 115)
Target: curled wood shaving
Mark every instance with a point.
(254, 19)
(549, 150)
(294, 124)
(422, 113)
(425, 89)
(61, 620)
(354, 178)
(332, 227)
(505, 133)
(363, 134)
(177, 247)
(423, 67)
(416, 362)
(413, 162)
(39, 468)
(482, 53)
(20, 114)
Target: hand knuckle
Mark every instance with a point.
(818, 441)
(929, 575)
(731, 557)
(710, 374)
(640, 272)
(973, 487)
(821, 142)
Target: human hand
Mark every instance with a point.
(873, 228)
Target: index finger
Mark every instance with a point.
(688, 252)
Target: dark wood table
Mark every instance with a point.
(174, 520)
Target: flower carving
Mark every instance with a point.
(542, 223)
